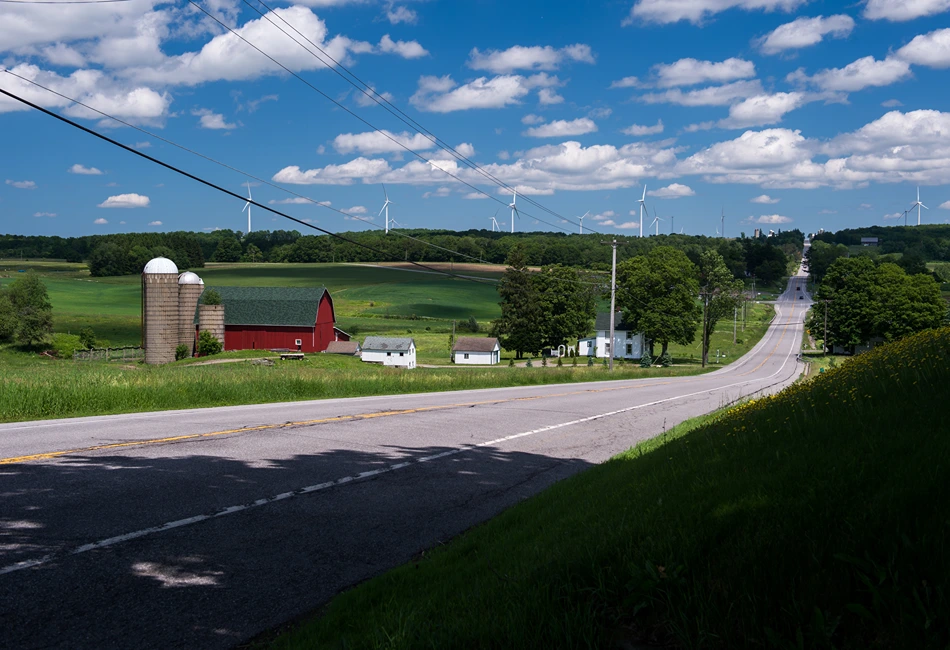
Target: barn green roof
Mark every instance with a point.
(276, 306)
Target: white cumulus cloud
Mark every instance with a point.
(697, 11)
(154, 223)
(22, 185)
(81, 169)
(383, 141)
(762, 109)
(100, 221)
(444, 95)
(772, 219)
(562, 128)
(126, 201)
(640, 129)
(528, 58)
(804, 32)
(711, 96)
(212, 120)
(689, 72)
(44, 214)
(358, 169)
(860, 74)
(396, 15)
(932, 50)
(903, 10)
(672, 191)
(405, 49)
(943, 206)
(764, 198)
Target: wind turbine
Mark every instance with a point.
(918, 205)
(656, 222)
(514, 210)
(642, 202)
(247, 206)
(722, 221)
(672, 224)
(386, 208)
(494, 223)
(581, 220)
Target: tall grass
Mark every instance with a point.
(57, 389)
(813, 519)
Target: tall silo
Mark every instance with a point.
(160, 310)
(190, 287)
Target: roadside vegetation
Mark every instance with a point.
(811, 519)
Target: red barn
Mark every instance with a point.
(264, 318)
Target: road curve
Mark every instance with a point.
(202, 528)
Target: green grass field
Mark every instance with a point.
(812, 519)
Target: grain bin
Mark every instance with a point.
(190, 287)
(160, 310)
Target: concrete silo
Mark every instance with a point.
(160, 310)
(190, 287)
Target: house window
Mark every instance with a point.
(401, 354)
(629, 335)
(466, 355)
(630, 349)
(607, 347)
(389, 354)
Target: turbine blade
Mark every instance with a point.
(384, 191)
(245, 207)
(381, 211)
(643, 198)
(924, 206)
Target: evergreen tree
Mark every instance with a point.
(519, 327)
(567, 303)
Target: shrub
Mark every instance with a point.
(590, 362)
(471, 325)
(574, 360)
(559, 362)
(645, 361)
(528, 364)
(182, 352)
(87, 338)
(208, 344)
(544, 362)
(511, 362)
(210, 297)
(65, 344)
(666, 360)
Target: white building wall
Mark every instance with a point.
(586, 347)
(628, 348)
(477, 358)
(408, 360)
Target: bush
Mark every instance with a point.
(182, 352)
(544, 362)
(208, 344)
(65, 344)
(528, 364)
(590, 362)
(87, 338)
(511, 362)
(646, 361)
(666, 360)
(471, 325)
(574, 360)
(559, 362)
(210, 297)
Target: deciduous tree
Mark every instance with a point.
(33, 310)
(719, 292)
(657, 293)
(519, 327)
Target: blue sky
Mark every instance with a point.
(784, 113)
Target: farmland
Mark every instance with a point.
(368, 300)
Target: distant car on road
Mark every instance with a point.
(801, 297)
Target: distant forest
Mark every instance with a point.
(126, 254)
(929, 242)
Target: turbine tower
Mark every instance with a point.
(672, 224)
(581, 220)
(247, 206)
(494, 224)
(385, 208)
(514, 210)
(642, 202)
(918, 205)
(722, 221)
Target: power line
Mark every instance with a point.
(208, 183)
(371, 93)
(361, 119)
(242, 172)
(62, 2)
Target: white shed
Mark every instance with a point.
(390, 351)
(627, 343)
(476, 351)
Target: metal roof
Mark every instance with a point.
(189, 278)
(275, 306)
(343, 347)
(387, 344)
(475, 344)
(160, 265)
(602, 324)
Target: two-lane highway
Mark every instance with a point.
(201, 528)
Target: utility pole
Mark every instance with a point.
(735, 320)
(824, 341)
(703, 346)
(613, 297)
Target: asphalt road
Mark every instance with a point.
(203, 528)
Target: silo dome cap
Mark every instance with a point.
(161, 265)
(189, 278)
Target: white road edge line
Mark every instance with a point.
(118, 539)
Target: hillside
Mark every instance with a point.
(815, 518)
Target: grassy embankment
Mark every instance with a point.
(812, 519)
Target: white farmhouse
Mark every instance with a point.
(390, 351)
(627, 343)
(476, 351)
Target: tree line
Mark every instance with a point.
(662, 294)
(126, 254)
(860, 300)
(930, 242)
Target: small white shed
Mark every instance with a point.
(390, 351)
(474, 350)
